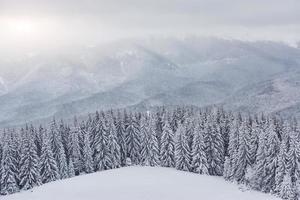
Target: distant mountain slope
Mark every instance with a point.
(201, 93)
(143, 73)
(136, 183)
(280, 94)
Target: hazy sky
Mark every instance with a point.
(58, 22)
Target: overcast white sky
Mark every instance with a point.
(89, 21)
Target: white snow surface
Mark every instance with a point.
(140, 183)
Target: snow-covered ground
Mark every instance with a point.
(140, 183)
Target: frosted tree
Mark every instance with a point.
(38, 140)
(87, 154)
(15, 144)
(216, 152)
(199, 160)
(233, 147)
(159, 123)
(153, 143)
(114, 147)
(133, 140)
(189, 128)
(30, 168)
(243, 157)
(255, 132)
(272, 151)
(71, 170)
(287, 190)
(120, 129)
(8, 180)
(252, 141)
(174, 123)
(167, 147)
(58, 150)
(95, 136)
(103, 155)
(49, 170)
(182, 153)
(282, 165)
(293, 158)
(68, 142)
(97, 141)
(227, 174)
(145, 141)
(260, 167)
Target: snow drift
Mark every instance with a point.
(140, 183)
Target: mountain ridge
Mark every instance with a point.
(145, 73)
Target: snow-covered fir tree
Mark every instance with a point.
(167, 147)
(120, 130)
(182, 151)
(199, 160)
(243, 157)
(103, 160)
(145, 141)
(58, 150)
(133, 140)
(113, 145)
(8, 179)
(49, 169)
(154, 156)
(287, 190)
(30, 164)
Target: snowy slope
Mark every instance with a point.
(140, 183)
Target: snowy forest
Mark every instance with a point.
(258, 151)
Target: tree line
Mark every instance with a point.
(259, 151)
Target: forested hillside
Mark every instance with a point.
(258, 151)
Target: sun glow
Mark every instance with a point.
(24, 30)
(22, 26)
(19, 28)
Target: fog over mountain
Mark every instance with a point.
(247, 76)
(62, 57)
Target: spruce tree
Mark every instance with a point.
(71, 170)
(255, 132)
(133, 140)
(154, 155)
(216, 150)
(260, 167)
(182, 153)
(8, 180)
(233, 149)
(103, 155)
(120, 129)
(272, 151)
(145, 141)
(282, 166)
(287, 190)
(49, 170)
(113, 145)
(227, 169)
(87, 154)
(199, 160)
(167, 147)
(58, 150)
(30, 165)
(15, 144)
(242, 160)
